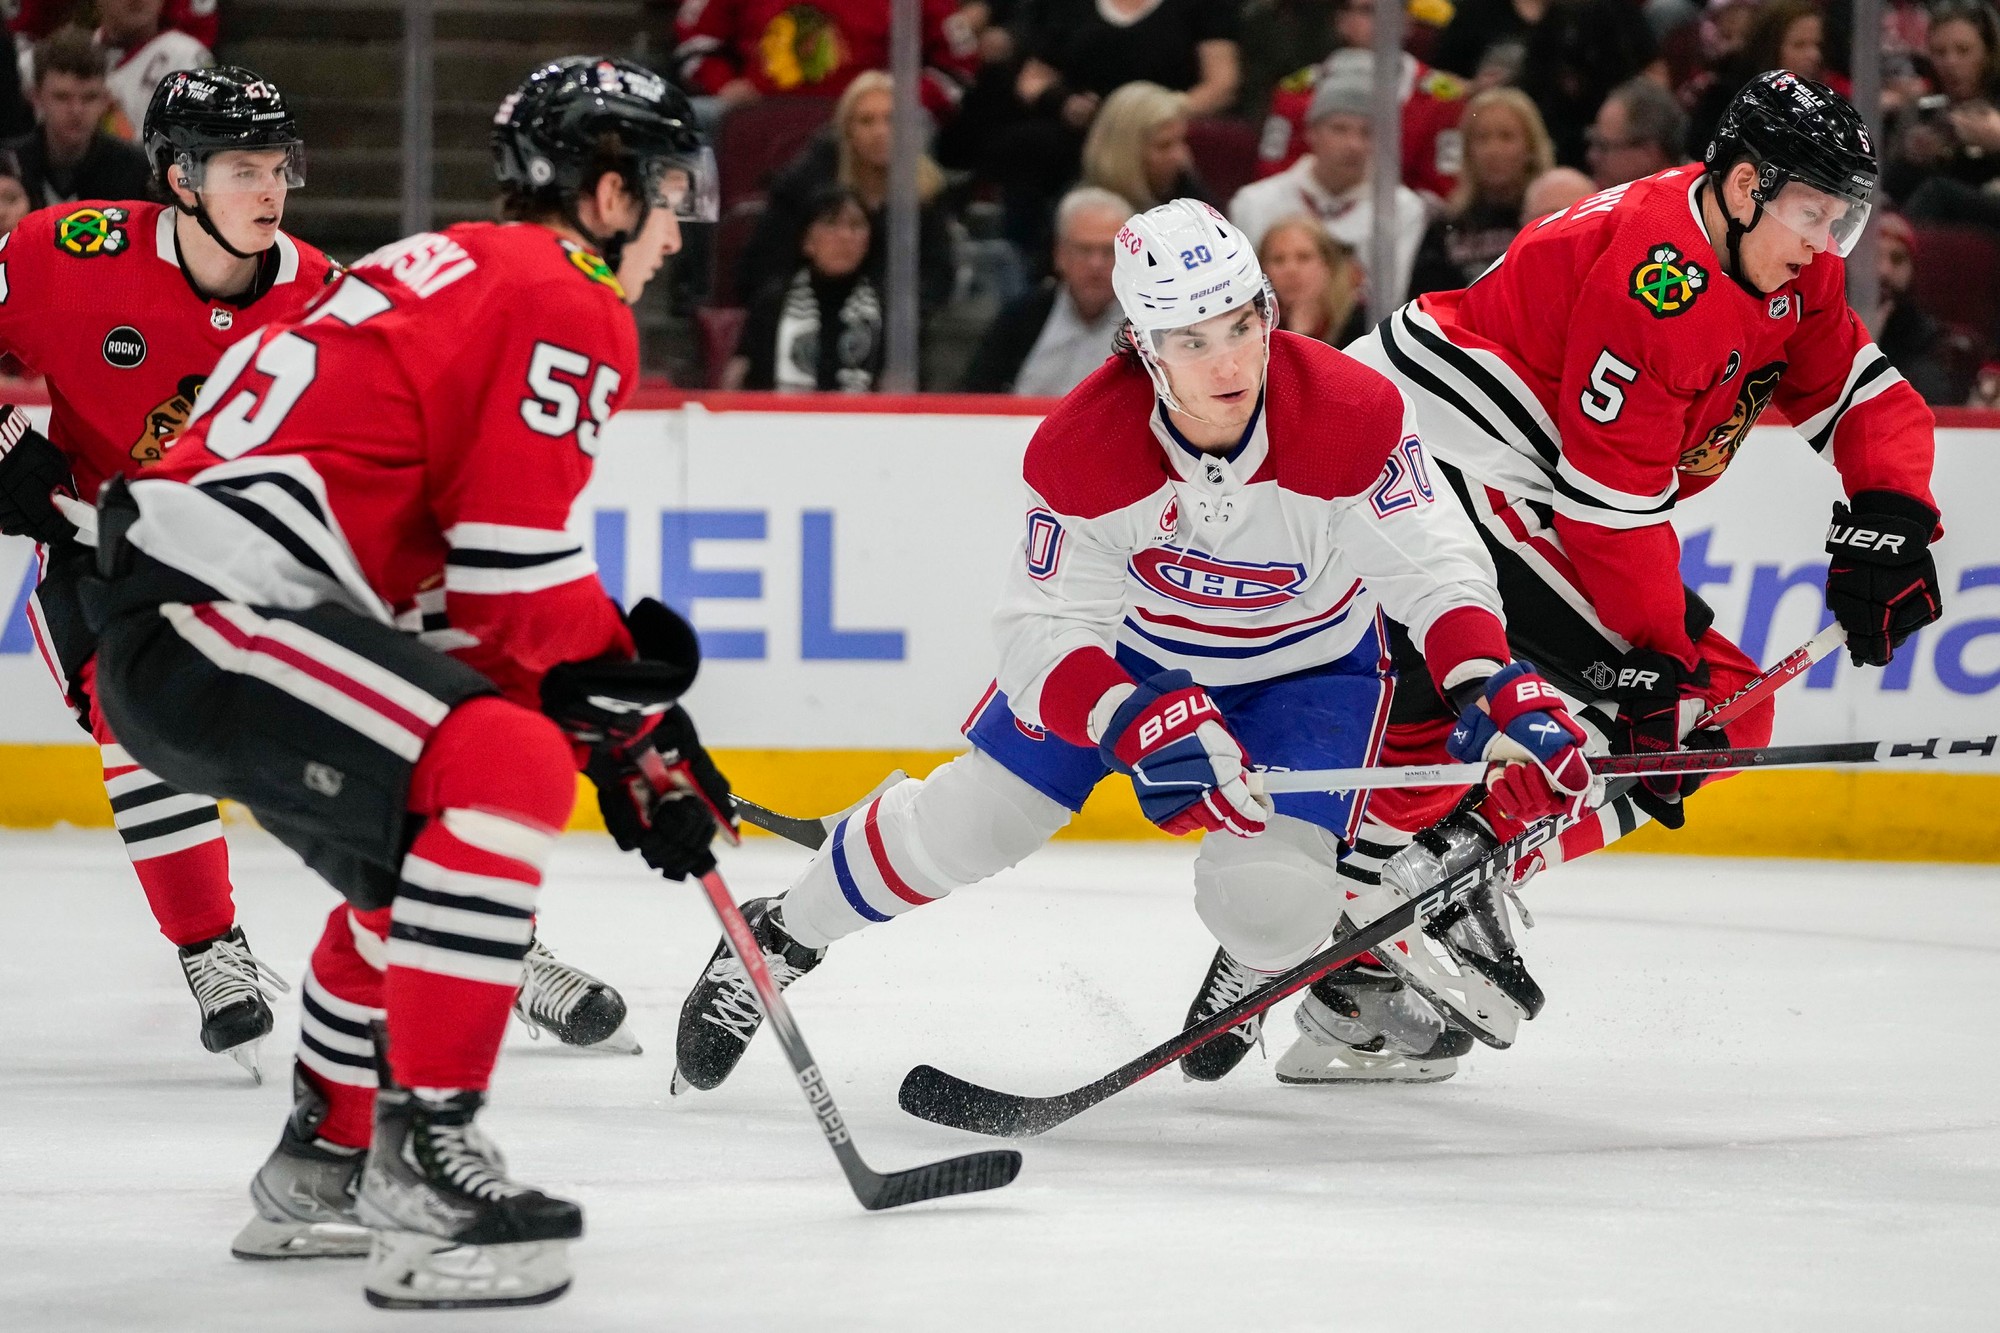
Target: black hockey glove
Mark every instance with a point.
(1882, 585)
(1657, 696)
(607, 703)
(32, 470)
(664, 798)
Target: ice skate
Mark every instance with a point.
(233, 987)
(451, 1230)
(304, 1192)
(1227, 982)
(578, 1008)
(721, 1013)
(1361, 1024)
(1474, 928)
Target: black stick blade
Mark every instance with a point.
(960, 1175)
(805, 832)
(929, 1093)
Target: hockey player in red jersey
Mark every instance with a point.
(1613, 361)
(1216, 522)
(124, 306)
(348, 599)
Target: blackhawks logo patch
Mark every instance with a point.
(1665, 284)
(592, 266)
(166, 421)
(92, 231)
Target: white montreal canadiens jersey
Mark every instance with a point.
(1265, 561)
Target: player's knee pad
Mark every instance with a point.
(916, 843)
(1269, 900)
(492, 754)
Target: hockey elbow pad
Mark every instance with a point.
(1882, 584)
(32, 472)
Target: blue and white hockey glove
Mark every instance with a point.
(1188, 771)
(1520, 720)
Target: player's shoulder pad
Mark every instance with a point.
(90, 228)
(1332, 421)
(1096, 453)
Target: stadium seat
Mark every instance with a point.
(1958, 275)
(757, 140)
(1225, 155)
(720, 326)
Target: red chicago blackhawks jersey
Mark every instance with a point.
(1433, 104)
(415, 443)
(92, 296)
(799, 49)
(1607, 366)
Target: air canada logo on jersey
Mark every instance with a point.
(1719, 446)
(1198, 579)
(1666, 284)
(89, 232)
(166, 421)
(592, 266)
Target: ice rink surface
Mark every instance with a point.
(1763, 1096)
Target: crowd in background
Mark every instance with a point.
(1051, 117)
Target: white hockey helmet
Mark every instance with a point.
(1180, 264)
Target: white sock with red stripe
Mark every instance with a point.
(175, 842)
(916, 843)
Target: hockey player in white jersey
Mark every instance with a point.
(1217, 520)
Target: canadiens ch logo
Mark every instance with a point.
(1195, 578)
(92, 231)
(1665, 284)
(166, 421)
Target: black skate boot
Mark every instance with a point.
(721, 1013)
(1227, 982)
(568, 1001)
(1361, 1024)
(452, 1232)
(233, 987)
(305, 1190)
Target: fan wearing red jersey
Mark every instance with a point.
(123, 306)
(1698, 296)
(348, 599)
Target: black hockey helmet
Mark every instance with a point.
(197, 113)
(1795, 130)
(552, 129)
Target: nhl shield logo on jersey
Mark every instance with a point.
(1665, 284)
(166, 421)
(89, 232)
(1600, 676)
(1196, 578)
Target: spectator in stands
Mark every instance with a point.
(13, 193)
(1986, 388)
(1908, 336)
(1506, 147)
(1782, 34)
(1478, 25)
(1580, 52)
(821, 329)
(1047, 341)
(1332, 181)
(32, 20)
(1433, 104)
(1281, 39)
(853, 151)
(1553, 191)
(69, 156)
(1946, 148)
(1137, 148)
(142, 53)
(1639, 130)
(1319, 285)
(735, 51)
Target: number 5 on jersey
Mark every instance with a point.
(1605, 398)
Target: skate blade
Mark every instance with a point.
(262, 1240)
(410, 1271)
(249, 1055)
(621, 1042)
(679, 1084)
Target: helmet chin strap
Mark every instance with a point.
(611, 247)
(200, 214)
(1733, 234)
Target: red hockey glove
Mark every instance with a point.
(1187, 770)
(1519, 718)
(32, 472)
(1882, 585)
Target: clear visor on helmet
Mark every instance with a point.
(244, 170)
(686, 185)
(1823, 221)
(1225, 334)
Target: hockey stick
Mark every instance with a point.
(931, 1094)
(957, 1175)
(810, 833)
